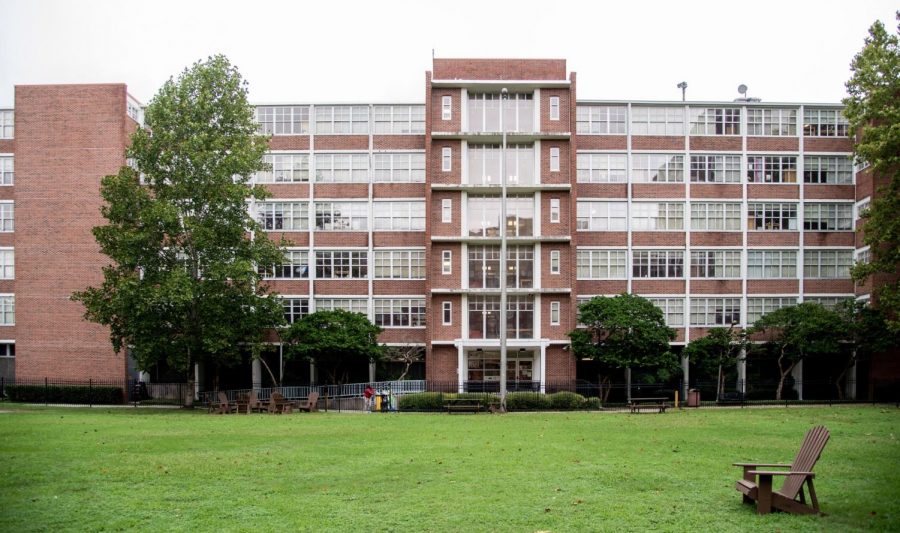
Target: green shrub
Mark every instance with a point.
(592, 403)
(527, 401)
(422, 401)
(566, 401)
(71, 394)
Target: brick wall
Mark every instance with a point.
(67, 138)
(499, 69)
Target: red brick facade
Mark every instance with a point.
(68, 137)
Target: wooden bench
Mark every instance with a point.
(462, 405)
(638, 405)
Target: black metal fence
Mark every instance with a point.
(92, 392)
(420, 395)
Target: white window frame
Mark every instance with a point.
(446, 159)
(447, 210)
(554, 159)
(771, 264)
(554, 262)
(814, 266)
(672, 309)
(759, 306)
(355, 220)
(554, 313)
(294, 307)
(602, 168)
(659, 264)
(771, 122)
(715, 216)
(7, 263)
(654, 120)
(665, 216)
(715, 264)
(715, 168)
(828, 216)
(399, 216)
(412, 308)
(772, 169)
(554, 108)
(446, 108)
(718, 308)
(657, 168)
(350, 167)
(601, 119)
(7, 124)
(586, 221)
(827, 169)
(446, 262)
(7, 170)
(286, 208)
(608, 263)
(399, 264)
(447, 313)
(353, 305)
(554, 210)
(772, 212)
(398, 167)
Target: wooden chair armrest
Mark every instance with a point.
(780, 473)
(775, 465)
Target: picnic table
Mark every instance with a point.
(640, 404)
(462, 405)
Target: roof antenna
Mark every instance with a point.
(683, 87)
(432, 55)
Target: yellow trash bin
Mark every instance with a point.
(378, 402)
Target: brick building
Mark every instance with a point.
(717, 211)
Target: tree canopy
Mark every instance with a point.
(873, 111)
(183, 284)
(335, 340)
(623, 331)
(800, 332)
(719, 347)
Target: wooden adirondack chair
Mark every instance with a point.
(798, 473)
(311, 403)
(221, 406)
(277, 403)
(253, 403)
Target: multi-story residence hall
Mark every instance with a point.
(717, 211)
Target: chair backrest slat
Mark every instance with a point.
(313, 399)
(810, 451)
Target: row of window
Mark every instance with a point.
(719, 264)
(484, 311)
(670, 120)
(389, 312)
(599, 215)
(341, 216)
(345, 119)
(711, 168)
(343, 168)
(727, 311)
(389, 264)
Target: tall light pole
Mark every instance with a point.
(504, 94)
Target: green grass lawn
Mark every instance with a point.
(161, 470)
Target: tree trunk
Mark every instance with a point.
(720, 385)
(784, 374)
(837, 382)
(269, 370)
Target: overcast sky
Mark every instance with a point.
(378, 50)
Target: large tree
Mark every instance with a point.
(873, 110)
(865, 332)
(719, 347)
(335, 341)
(798, 333)
(624, 331)
(183, 285)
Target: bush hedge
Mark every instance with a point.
(434, 401)
(566, 401)
(71, 394)
(515, 401)
(527, 401)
